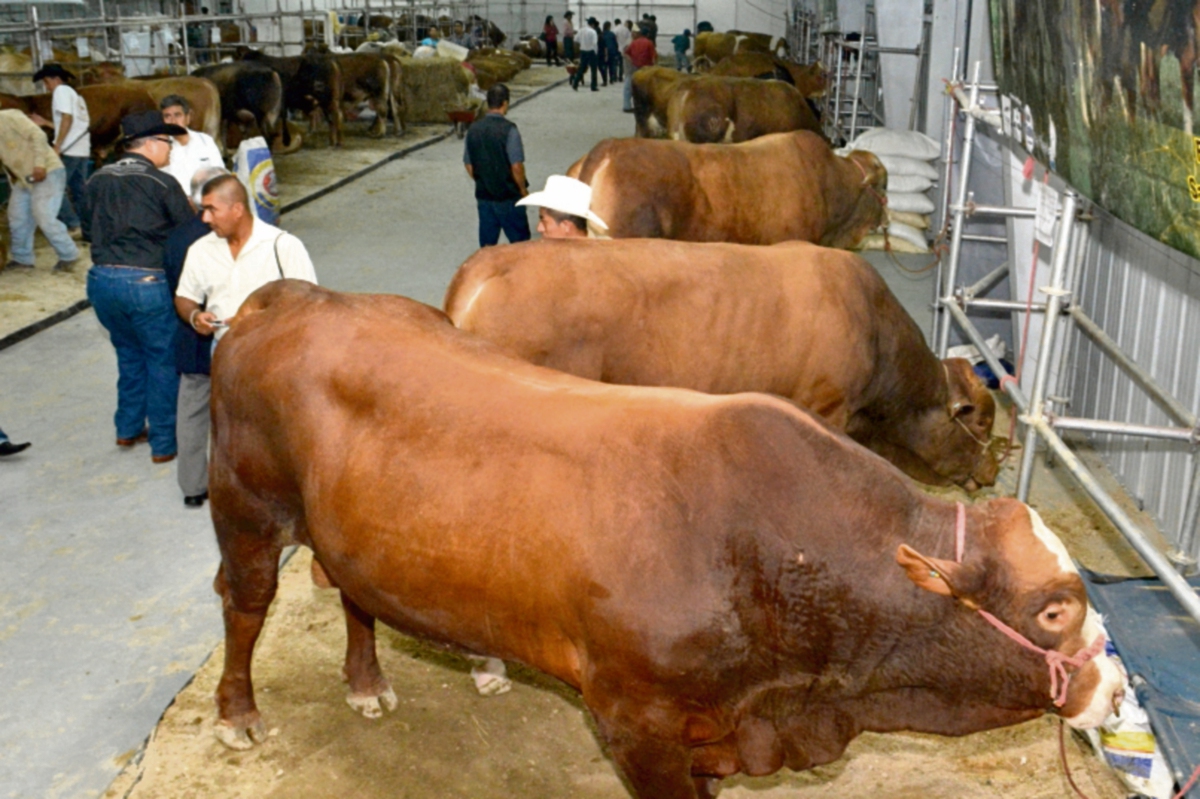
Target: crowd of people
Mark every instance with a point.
(176, 245)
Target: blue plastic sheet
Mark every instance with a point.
(1160, 646)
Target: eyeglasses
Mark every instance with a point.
(163, 139)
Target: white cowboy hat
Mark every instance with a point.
(565, 195)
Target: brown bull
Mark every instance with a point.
(817, 326)
(251, 94)
(711, 109)
(651, 89)
(368, 78)
(730, 586)
(715, 46)
(810, 80)
(781, 187)
(107, 104)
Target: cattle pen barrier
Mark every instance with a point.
(1060, 307)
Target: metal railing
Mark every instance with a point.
(1035, 411)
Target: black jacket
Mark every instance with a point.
(134, 208)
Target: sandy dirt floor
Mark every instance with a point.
(537, 742)
(29, 296)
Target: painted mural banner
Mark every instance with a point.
(1102, 91)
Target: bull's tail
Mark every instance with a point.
(395, 104)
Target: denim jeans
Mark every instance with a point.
(74, 211)
(136, 308)
(506, 214)
(588, 59)
(36, 204)
(628, 106)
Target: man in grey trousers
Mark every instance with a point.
(193, 359)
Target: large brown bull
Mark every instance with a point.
(731, 586)
(711, 109)
(651, 89)
(368, 78)
(810, 79)
(312, 84)
(817, 326)
(251, 94)
(107, 104)
(715, 46)
(781, 187)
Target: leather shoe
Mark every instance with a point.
(9, 448)
(163, 458)
(196, 501)
(139, 438)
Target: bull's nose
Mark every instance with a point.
(971, 485)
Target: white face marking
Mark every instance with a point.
(1112, 679)
(1052, 542)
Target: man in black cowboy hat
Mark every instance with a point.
(135, 207)
(72, 142)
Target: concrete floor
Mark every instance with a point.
(106, 607)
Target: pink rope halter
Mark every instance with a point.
(1057, 662)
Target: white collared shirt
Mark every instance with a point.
(78, 142)
(214, 278)
(186, 159)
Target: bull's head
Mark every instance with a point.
(948, 442)
(1016, 570)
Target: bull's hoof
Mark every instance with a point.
(240, 737)
(490, 678)
(372, 706)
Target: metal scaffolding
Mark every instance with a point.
(1036, 411)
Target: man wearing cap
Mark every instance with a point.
(563, 208)
(194, 150)
(495, 159)
(38, 179)
(135, 207)
(589, 43)
(72, 143)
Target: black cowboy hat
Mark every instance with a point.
(147, 123)
(569, 14)
(53, 71)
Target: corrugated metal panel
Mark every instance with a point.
(1147, 297)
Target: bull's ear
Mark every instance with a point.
(931, 574)
(961, 386)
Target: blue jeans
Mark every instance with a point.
(75, 211)
(682, 63)
(136, 308)
(587, 60)
(628, 105)
(506, 214)
(36, 204)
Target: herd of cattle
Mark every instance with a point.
(672, 468)
(252, 95)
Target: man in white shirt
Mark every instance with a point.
(192, 151)
(241, 254)
(73, 144)
(624, 36)
(589, 56)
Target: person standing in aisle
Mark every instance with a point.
(624, 33)
(136, 206)
(550, 38)
(72, 143)
(681, 43)
(568, 34)
(641, 54)
(589, 43)
(38, 181)
(610, 62)
(494, 158)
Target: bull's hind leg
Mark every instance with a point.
(246, 582)
(369, 689)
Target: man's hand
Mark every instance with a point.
(202, 322)
(39, 174)
(40, 120)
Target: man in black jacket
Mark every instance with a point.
(135, 206)
(495, 159)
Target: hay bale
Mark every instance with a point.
(433, 86)
(489, 70)
(520, 60)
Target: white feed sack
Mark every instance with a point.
(907, 155)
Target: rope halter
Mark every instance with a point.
(1057, 662)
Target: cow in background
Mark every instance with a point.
(729, 585)
(251, 94)
(780, 187)
(711, 109)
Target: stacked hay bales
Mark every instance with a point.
(433, 87)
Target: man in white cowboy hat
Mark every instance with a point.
(564, 208)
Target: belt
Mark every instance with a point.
(127, 266)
